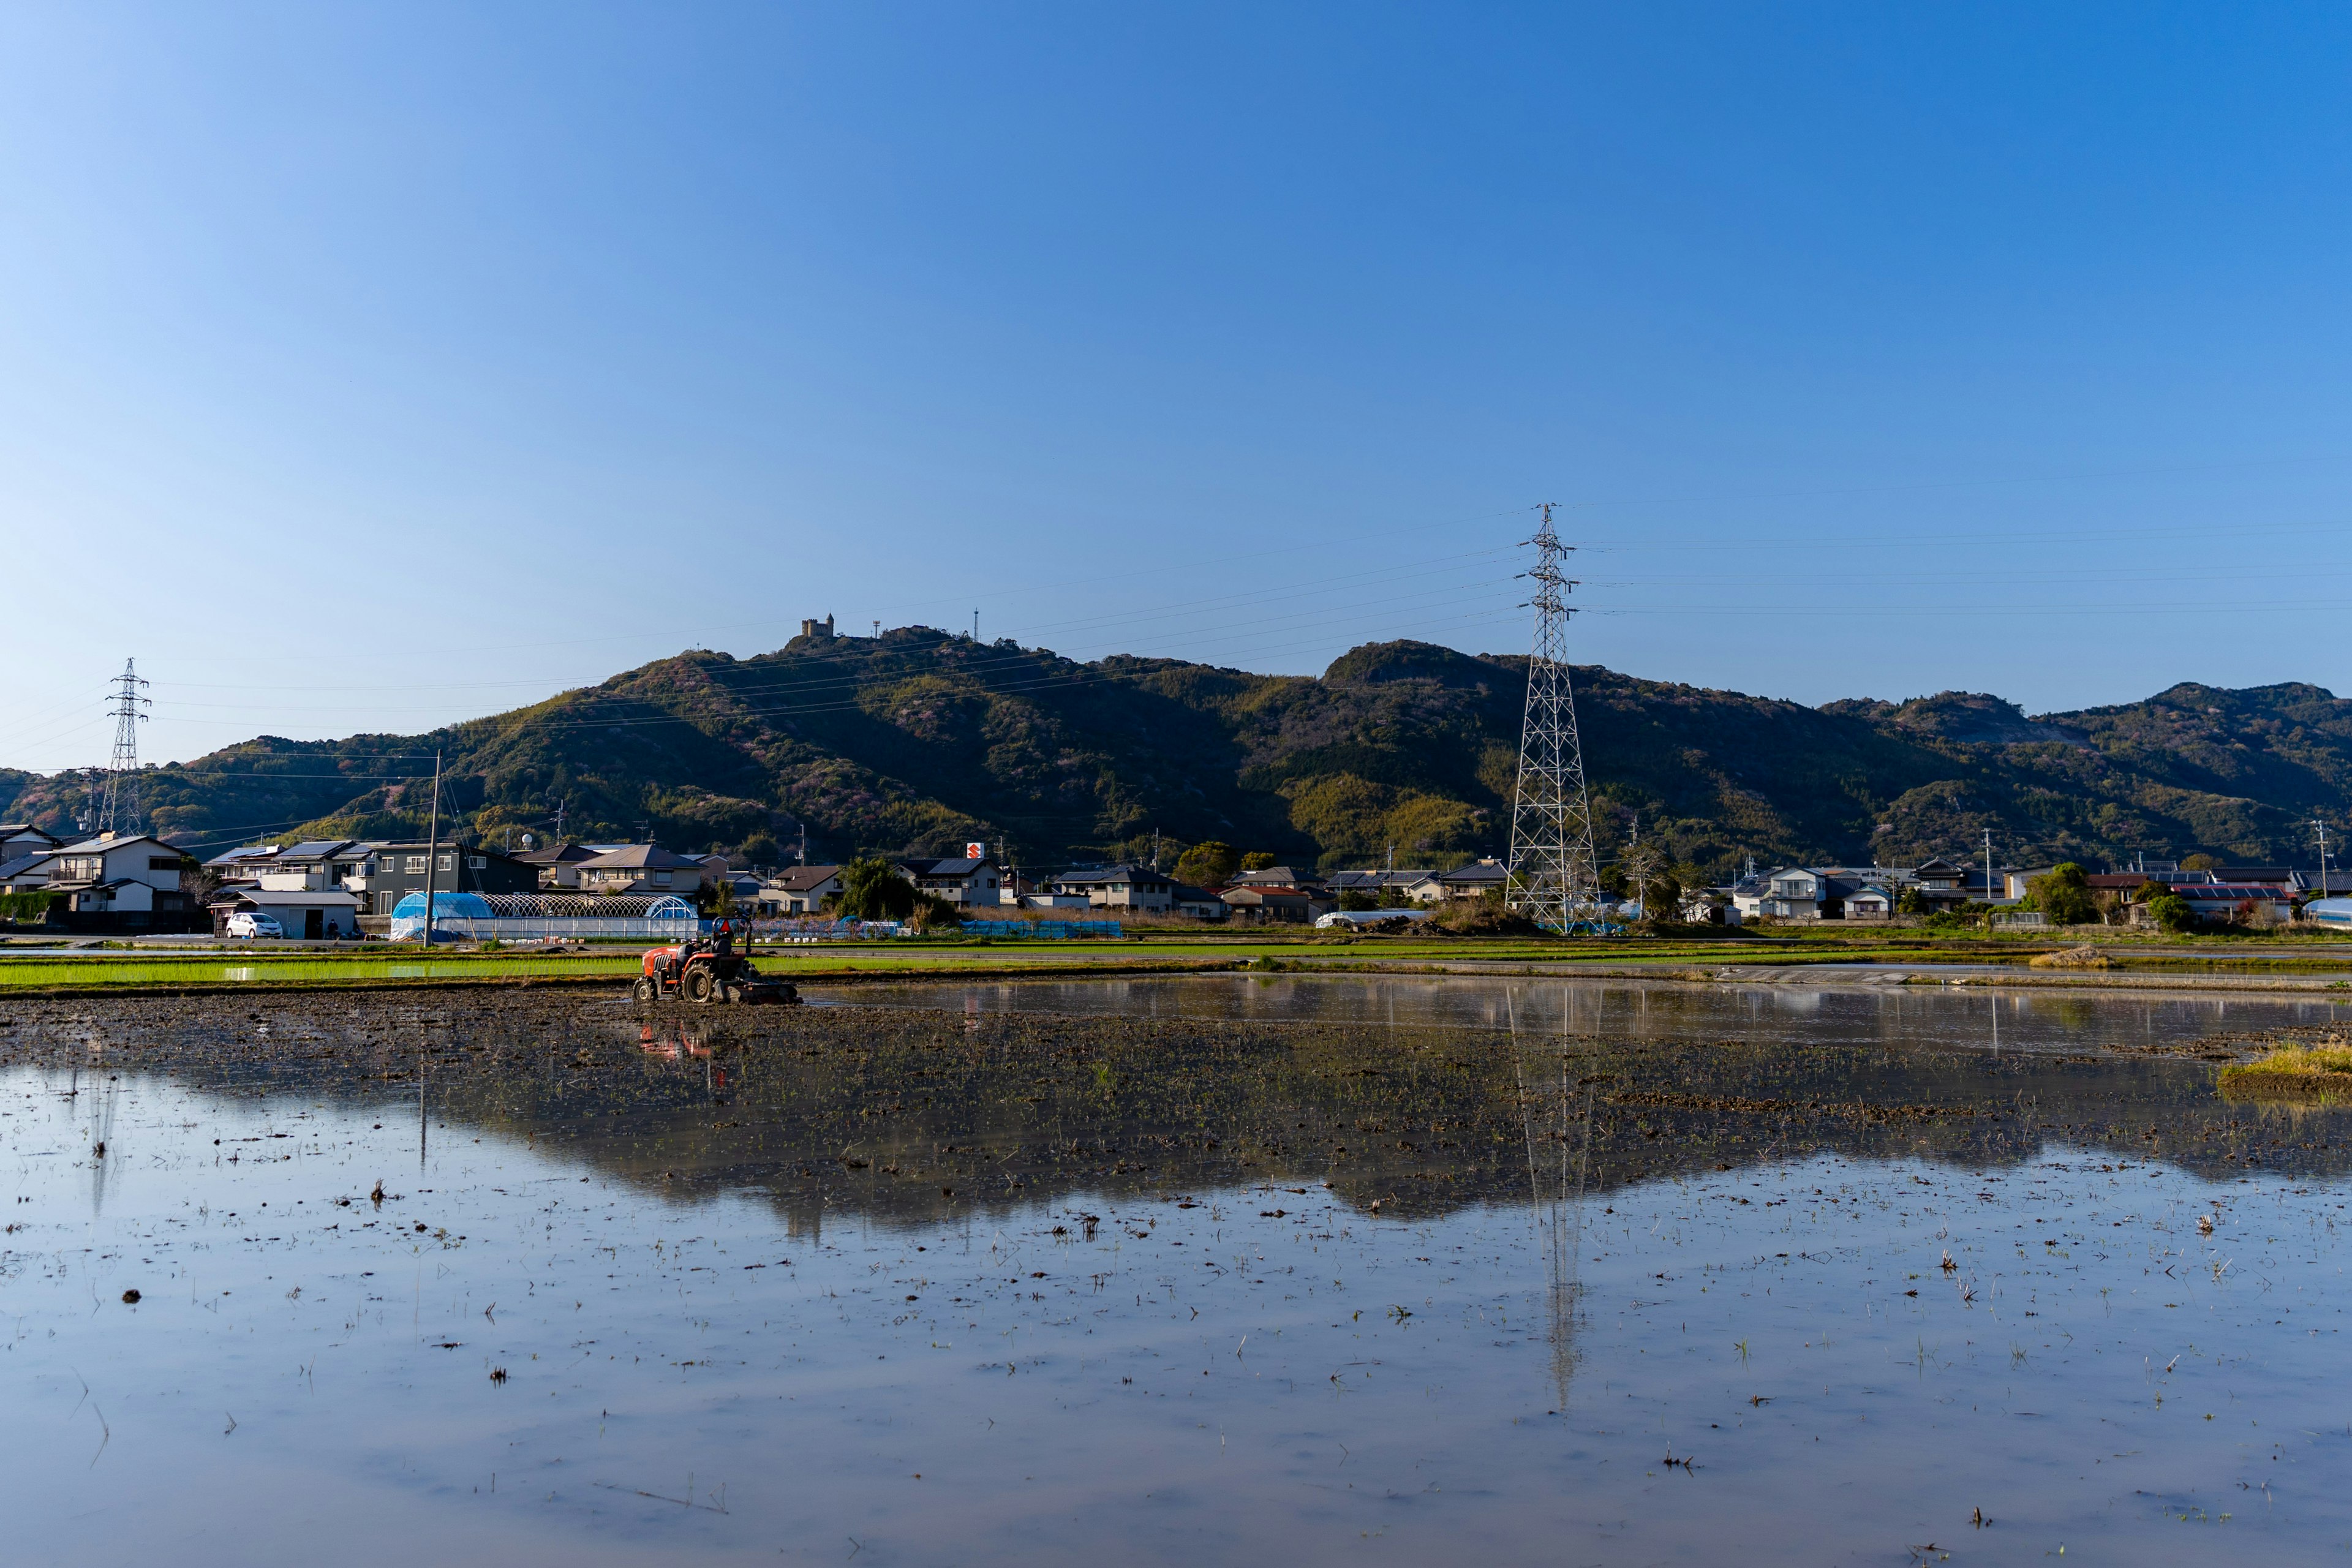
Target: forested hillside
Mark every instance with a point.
(919, 741)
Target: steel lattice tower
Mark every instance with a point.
(1553, 878)
(119, 811)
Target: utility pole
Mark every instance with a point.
(1553, 878)
(119, 807)
(2322, 854)
(1988, 833)
(803, 842)
(1155, 850)
(560, 840)
(975, 624)
(432, 849)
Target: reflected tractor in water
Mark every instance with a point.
(708, 972)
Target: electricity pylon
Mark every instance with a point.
(1553, 878)
(119, 810)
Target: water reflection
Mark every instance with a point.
(1326, 1275)
(1555, 1117)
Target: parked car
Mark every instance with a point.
(252, 923)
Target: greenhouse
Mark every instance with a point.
(541, 917)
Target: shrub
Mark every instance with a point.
(932, 913)
(2172, 913)
(1209, 865)
(2063, 894)
(31, 908)
(873, 890)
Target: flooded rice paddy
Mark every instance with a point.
(1218, 1269)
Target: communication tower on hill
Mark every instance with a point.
(118, 811)
(1554, 880)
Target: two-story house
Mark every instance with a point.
(647, 870)
(798, 889)
(1793, 894)
(19, 840)
(396, 869)
(1119, 888)
(965, 883)
(559, 864)
(123, 878)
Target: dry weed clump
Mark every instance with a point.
(2317, 1071)
(2082, 957)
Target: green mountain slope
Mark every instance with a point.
(919, 741)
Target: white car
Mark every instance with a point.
(250, 923)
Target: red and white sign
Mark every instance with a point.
(975, 851)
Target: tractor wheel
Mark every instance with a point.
(644, 989)
(699, 985)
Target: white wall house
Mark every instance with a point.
(119, 874)
(1794, 894)
(798, 889)
(976, 883)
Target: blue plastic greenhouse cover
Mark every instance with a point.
(463, 905)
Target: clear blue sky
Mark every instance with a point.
(365, 368)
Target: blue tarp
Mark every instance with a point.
(1043, 931)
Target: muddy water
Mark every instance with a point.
(1331, 1271)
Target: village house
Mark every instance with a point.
(1845, 892)
(1475, 880)
(1940, 883)
(559, 864)
(799, 891)
(393, 870)
(2224, 903)
(112, 881)
(1793, 894)
(1391, 888)
(1868, 902)
(967, 883)
(1119, 888)
(1276, 903)
(20, 839)
(1197, 902)
(647, 870)
(1279, 876)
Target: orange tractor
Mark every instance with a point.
(708, 972)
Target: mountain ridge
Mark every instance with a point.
(919, 741)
